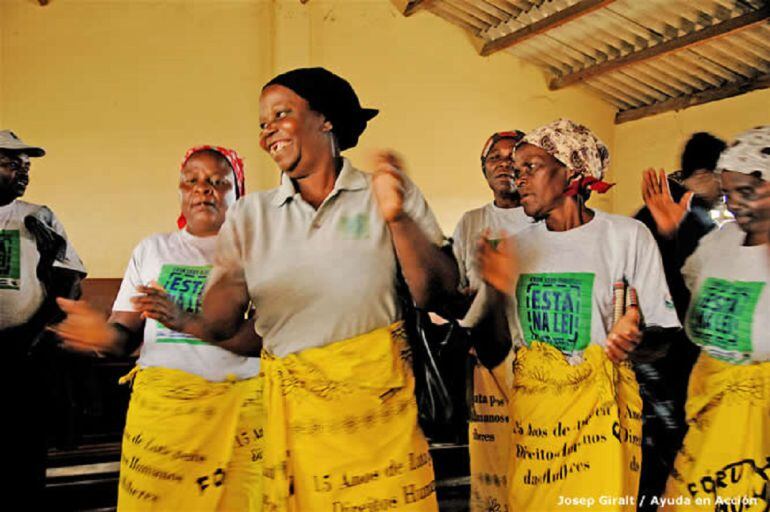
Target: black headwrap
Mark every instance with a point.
(333, 97)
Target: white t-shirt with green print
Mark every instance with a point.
(21, 291)
(564, 294)
(729, 314)
(180, 262)
(464, 245)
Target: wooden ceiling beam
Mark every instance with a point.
(698, 98)
(571, 13)
(687, 41)
(409, 7)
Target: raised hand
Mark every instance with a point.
(497, 263)
(388, 185)
(666, 212)
(624, 336)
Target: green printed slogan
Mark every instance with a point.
(10, 258)
(556, 309)
(184, 283)
(722, 314)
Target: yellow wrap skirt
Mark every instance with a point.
(341, 430)
(489, 438)
(191, 444)
(576, 432)
(724, 463)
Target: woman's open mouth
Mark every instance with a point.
(276, 147)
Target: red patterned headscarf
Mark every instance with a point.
(236, 164)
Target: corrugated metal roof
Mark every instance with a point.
(635, 54)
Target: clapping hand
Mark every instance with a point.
(155, 303)
(497, 263)
(388, 185)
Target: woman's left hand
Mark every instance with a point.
(388, 185)
(158, 305)
(624, 336)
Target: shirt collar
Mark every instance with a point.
(349, 178)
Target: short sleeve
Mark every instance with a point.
(131, 279)
(229, 260)
(649, 280)
(69, 258)
(710, 243)
(459, 249)
(692, 267)
(418, 209)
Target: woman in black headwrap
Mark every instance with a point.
(319, 257)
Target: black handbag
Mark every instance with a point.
(439, 355)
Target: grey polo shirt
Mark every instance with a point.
(316, 276)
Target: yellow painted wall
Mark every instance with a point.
(658, 141)
(117, 90)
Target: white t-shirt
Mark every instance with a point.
(180, 262)
(317, 276)
(21, 292)
(465, 238)
(564, 294)
(729, 314)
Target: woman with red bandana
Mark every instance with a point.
(193, 435)
(488, 426)
(575, 409)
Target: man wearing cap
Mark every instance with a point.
(487, 439)
(37, 264)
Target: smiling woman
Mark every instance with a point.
(319, 257)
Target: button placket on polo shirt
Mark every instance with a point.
(318, 215)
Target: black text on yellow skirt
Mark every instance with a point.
(342, 434)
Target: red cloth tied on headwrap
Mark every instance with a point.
(578, 149)
(236, 164)
(516, 135)
(583, 183)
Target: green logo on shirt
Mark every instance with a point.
(556, 309)
(185, 284)
(721, 317)
(10, 258)
(355, 227)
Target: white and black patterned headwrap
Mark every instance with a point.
(748, 154)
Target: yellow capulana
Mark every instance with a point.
(192, 444)
(489, 437)
(724, 463)
(576, 431)
(341, 430)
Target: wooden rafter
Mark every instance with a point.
(409, 7)
(549, 22)
(687, 41)
(698, 98)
